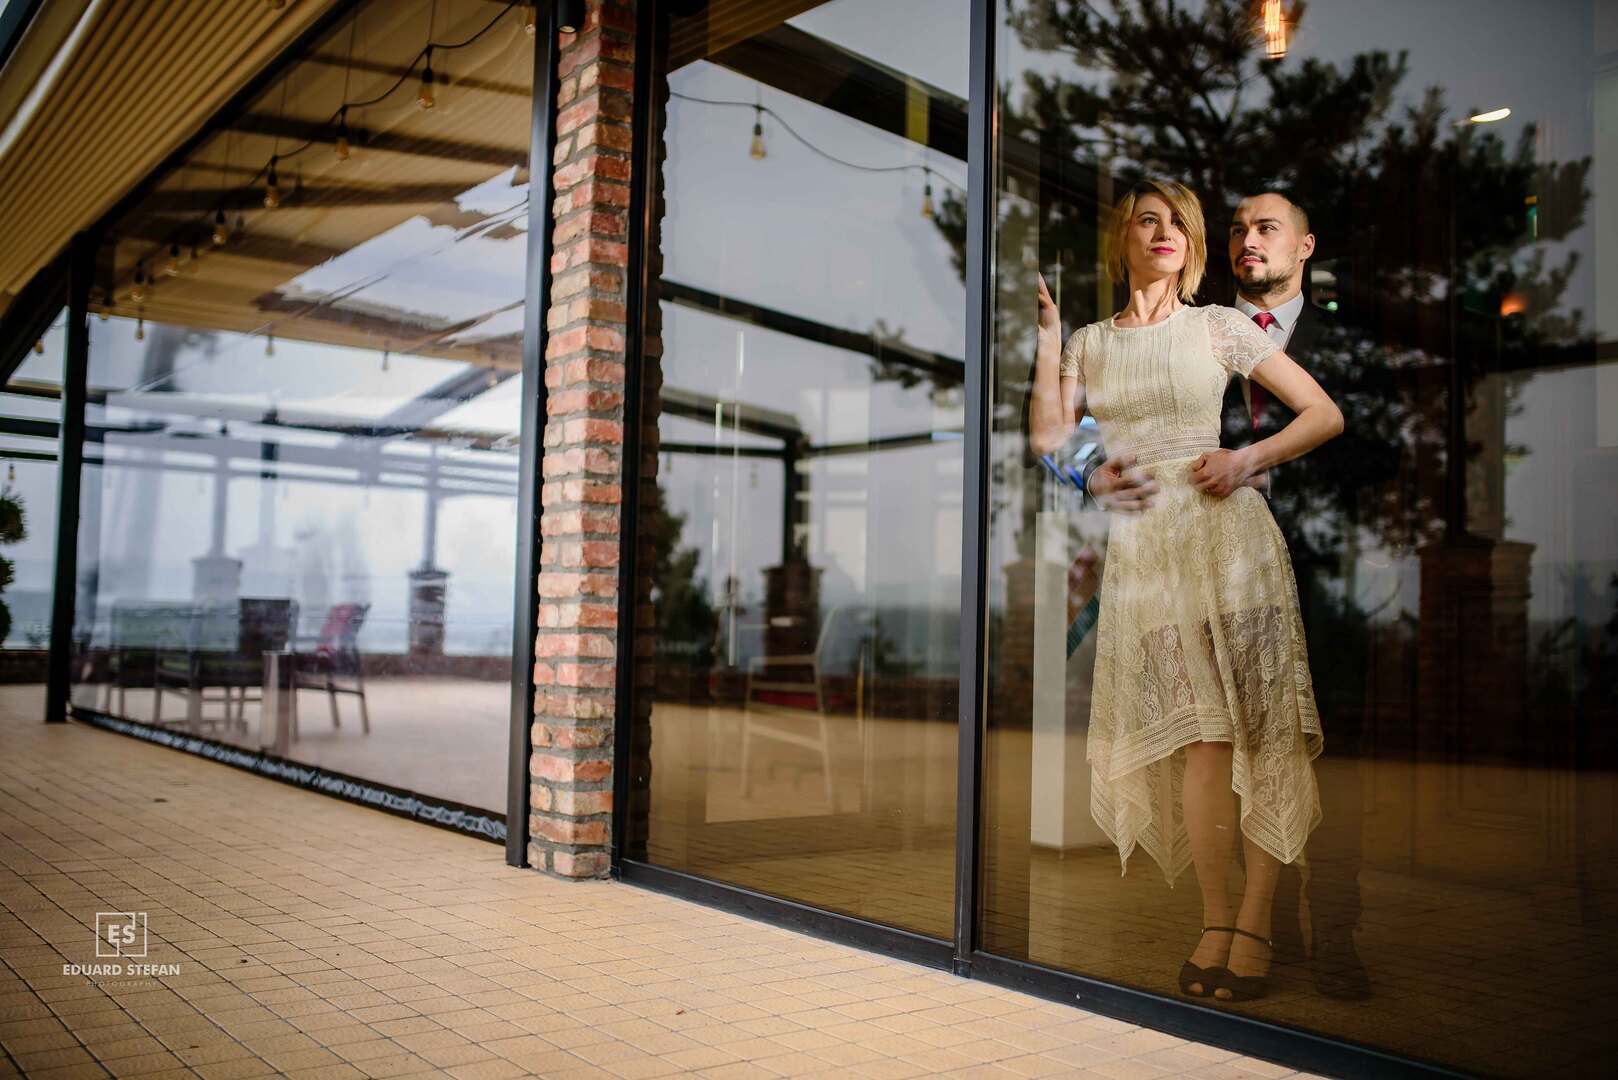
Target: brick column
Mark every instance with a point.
(577, 651)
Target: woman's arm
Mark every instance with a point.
(1223, 471)
(1058, 402)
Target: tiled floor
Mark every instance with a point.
(314, 938)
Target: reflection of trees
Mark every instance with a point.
(683, 616)
(1425, 225)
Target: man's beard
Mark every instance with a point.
(1263, 280)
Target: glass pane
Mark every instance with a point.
(30, 408)
(305, 381)
(801, 738)
(1438, 881)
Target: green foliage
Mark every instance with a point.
(13, 530)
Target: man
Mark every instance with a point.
(1269, 248)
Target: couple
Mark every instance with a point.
(1203, 717)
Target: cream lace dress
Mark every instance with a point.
(1199, 637)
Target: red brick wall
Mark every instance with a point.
(577, 652)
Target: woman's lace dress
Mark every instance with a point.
(1199, 637)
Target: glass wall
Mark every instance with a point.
(808, 258)
(1436, 246)
(30, 409)
(301, 464)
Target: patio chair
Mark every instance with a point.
(786, 703)
(334, 665)
(141, 629)
(225, 651)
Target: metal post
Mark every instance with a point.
(980, 292)
(70, 469)
(525, 606)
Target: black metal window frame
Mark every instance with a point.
(963, 955)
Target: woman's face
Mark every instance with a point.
(1157, 244)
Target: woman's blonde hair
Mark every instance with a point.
(1185, 205)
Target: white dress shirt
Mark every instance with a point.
(1286, 317)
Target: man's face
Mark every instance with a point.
(1267, 254)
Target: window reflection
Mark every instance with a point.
(30, 409)
(801, 739)
(301, 464)
(1454, 549)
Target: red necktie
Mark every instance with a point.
(1258, 397)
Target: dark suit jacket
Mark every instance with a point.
(1358, 457)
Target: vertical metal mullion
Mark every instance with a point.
(980, 286)
(649, 44)
(69, 480)
(541, 180)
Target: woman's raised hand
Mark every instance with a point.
(1050, 325)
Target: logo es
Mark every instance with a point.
(120, 933)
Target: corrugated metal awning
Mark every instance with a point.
(99, 92)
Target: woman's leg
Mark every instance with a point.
(1210, 821)
(1248, 957)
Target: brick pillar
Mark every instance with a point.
(577, 651)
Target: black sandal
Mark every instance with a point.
(1209, 978)
(1246, 987)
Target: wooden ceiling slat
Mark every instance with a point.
(145, 77)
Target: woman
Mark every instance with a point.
(1203, 717)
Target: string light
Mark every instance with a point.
(927, 195)
(220, 235)
(172, 267)
(106, 306)
(138, 292)
(757, 150)
(140, 324)
(425, 98)
(530, 19)
(39, 347)
(269, 345)
(386, 353)
(11, 473)
(1275, 30)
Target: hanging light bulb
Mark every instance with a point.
(39, 347)
(138, 293)
(927, 194)
(172, 267)
(140, 324)
(386, 354)
(272, 189)
(757, 150)
(530, 19)
(339, 148)
(221, 231)
(1275, 30)
(269, 345)
(11, 473)
(494, 377)
(425, 98)
(106, 307)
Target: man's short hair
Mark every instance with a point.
(1300, 216)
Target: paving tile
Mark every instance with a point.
(324, 940)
